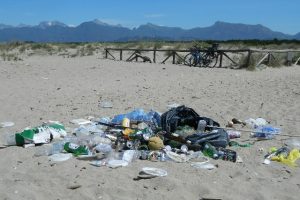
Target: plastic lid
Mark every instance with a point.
(6, 124)
(154, 171)
(117, 163)
(60, 157)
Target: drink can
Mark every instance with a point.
(126, 122)
(233, 134)
(226, 154)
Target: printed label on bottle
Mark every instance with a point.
(73, 146)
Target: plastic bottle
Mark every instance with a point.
(49, 149)
(184, 148)
(98, 163)
(57, 147)
(144, 154)
(201, 125)
(163, 157)
(130, 155)
(45, 150)
(266, 132)
(293, 143)
(11, 140)
(81, 131)
(103, 148)
(71, 138)
(96, 139)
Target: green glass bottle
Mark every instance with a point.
(210, 151)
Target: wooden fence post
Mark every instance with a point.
(221, 59)
(173, 54)
(248, 58)
(106, 52)
(121, 54)
(154, 55)
(136, 58)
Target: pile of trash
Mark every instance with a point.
(178, 135)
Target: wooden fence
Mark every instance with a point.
(136, 55)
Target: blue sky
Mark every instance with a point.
(279, 15)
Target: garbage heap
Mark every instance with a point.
(179, 135)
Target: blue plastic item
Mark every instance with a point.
(266, 132)
(138, 115)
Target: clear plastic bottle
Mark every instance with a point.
(11, 140)
(131, 155)
(201, 125)
(44, 150)
(49, 149)
(57, 147)
(266, 132)
(104, 148)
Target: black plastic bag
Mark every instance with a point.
(181, 116)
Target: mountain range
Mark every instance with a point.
(97, 31)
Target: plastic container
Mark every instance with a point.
(201, 126)
(97, 139)
(293, 143)
(117, 163)
(154, 171)
(57, 147)
(200, 165)
(106, 104)
(130, 155)
(6, 124)
(81, 131)
(138, 115)
(60, 157)
(184, 148)
(254, 123)
(98, 163)
(266, 132)
(49, 149)
(44, 150)
(103, 148)
(11, 140)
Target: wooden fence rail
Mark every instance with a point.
(174, 54)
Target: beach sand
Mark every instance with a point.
(42, 88)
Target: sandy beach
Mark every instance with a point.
(42, 88)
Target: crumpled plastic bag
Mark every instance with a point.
(290, 159)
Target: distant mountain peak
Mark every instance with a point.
(21, 25)
(99, 22)
(151, 24)
(97, 30)
(46, 24)
(4, 26)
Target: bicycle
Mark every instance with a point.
(202, 58)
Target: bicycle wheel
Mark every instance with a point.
(210, 60)
(190, 60)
